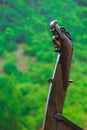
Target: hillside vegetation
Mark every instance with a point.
(27, 60)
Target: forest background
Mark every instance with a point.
(27, 60)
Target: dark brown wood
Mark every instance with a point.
(55, 100)
(63, 123)
(63, 126)
(63, 44)
(60, 79)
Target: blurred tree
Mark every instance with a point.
(9, 104)
(9, 67)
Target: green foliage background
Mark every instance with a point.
(27, 60)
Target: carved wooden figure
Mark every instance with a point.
(60, 80)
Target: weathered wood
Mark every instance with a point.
(60, 79)
(59, 83)
(63, 123)
(55, 99)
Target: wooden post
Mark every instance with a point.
(60, 81)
